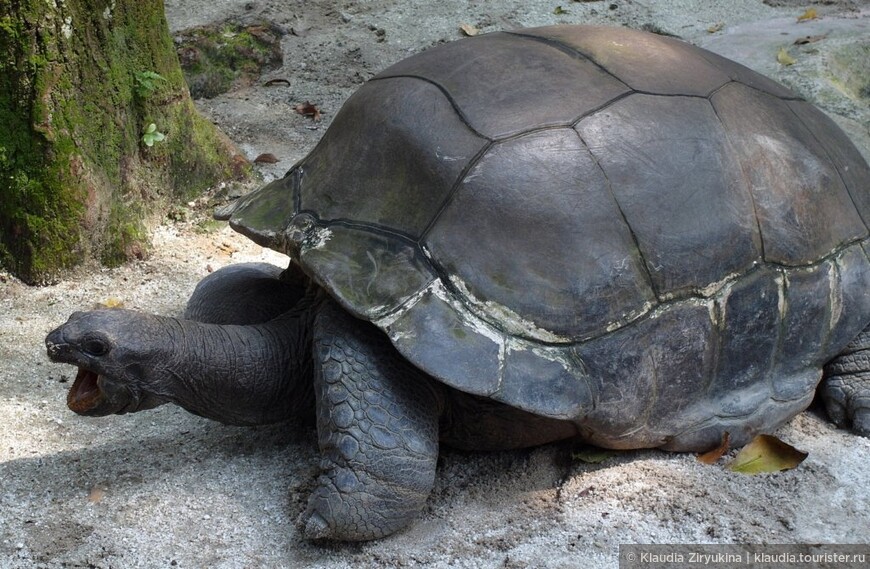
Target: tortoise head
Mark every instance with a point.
(114, 351)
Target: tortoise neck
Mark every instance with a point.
(242, 375)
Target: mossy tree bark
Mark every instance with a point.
(80, 81)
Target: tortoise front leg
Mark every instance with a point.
(845, 388)
(377, 423)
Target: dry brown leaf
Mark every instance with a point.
(809, 39)
(810, 14)
(766, 453)
(266, 158)
(716, 27)
(96, 494)
(308, 110)
(784, 58)
(469, 30)
(277, 81)
(711, 456)
(227, 248)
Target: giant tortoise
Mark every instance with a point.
(519, 238)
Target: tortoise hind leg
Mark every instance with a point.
(377, 425)
(845, 388)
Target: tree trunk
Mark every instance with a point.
(80, 83)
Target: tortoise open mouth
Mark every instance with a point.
(85, 394)
(96, 395)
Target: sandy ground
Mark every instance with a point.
(168, 489)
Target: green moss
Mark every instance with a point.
(75, 179)
(42, 208)
(216, 58)
(41, 215)
(126, 236)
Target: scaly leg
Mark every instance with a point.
(377, 423)
(845, 388)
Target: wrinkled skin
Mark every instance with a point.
(130, 361)
(845, 390)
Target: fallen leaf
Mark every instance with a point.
(810, 14)
(469, 30)
(308, 110)
(784, 58)
(227, 248)
(96, 494)
(111, 302)
(809, 39)
(593, 455)
(266, 158)
(715, 27)
(271, 82)
(560, 10)
(766, 453)
(711, 456)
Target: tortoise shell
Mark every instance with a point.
(588, 223)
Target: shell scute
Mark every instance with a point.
(645, 62)
(499, 80)
(396, 143)
(803, 208)
(501, 238)
(681, 189)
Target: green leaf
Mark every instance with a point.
(784, 58)
(146, 82)
(152, 135)
(593, 455)
(766, 453)
(810, 14)
(560, 10)
(149, 75)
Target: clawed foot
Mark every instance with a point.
(351, 506)
(847, 401)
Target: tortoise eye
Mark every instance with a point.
(95, 347)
